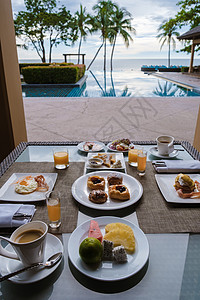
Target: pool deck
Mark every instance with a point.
(137, 118)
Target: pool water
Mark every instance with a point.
(121, 83)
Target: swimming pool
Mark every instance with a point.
(121, 83)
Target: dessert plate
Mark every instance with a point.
(80, 191)
(109, 270)
(109, 145)
(7, 192)
(166, 185)
(154, 152)
(116, 156)
(98, 146)
(7, 265)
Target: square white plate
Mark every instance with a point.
(118, 156)
(166, 186)
(7, 192)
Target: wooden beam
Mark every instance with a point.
(196, 42)
(192, 58)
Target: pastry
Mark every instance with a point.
(96, 182)
(114, 179)
(98, 196)
(118, 192)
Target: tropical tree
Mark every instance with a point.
(121, 20)
(188, 15)
(82, 26)
(167, 31)
(43, 25)
(102, 22)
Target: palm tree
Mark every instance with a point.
(121, 25)
(168, 29)
(82, 26)
(102, 22)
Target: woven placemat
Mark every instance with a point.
(65, 179)
(155, 215)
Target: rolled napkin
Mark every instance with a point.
(177, 166)
(8, 212)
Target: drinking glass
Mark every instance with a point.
(141, 162)
(61, 158)
(53, 207)
(132, 156)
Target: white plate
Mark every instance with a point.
(166, 186)
(7, 265)
(7, 192)
(81, 192)
(108, 270)
(154, 152)
(118, 156)
(80, 146)
(125, 151)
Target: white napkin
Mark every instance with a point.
(178, 166)
(7, 212)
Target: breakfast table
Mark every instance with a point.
(172, 270)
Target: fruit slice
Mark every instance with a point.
(113, 226)
(95, 231)
(120, 234)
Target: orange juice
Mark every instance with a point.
(132, 155)
(53, 207)
(141, 160)
(61, 159)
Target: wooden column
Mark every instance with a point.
(196, 142)
(12, 119)
(192, 58)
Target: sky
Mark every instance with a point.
(147, 17)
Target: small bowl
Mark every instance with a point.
(95, 162)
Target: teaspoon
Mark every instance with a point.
(51, 261)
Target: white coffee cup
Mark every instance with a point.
(165, 144)
(27, 251)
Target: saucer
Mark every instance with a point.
(154, 152)
(7, 265)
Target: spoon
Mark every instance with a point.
(51, 261)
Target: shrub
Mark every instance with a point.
(184, 69)
(53, 74)
(41, 65)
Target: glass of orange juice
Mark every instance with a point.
(61, 158)
(53, 208)
(132, 156)
(141, 162)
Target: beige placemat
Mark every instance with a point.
(65, 179)
(155, 215)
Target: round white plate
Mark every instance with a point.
(154, 152)
(80, 191)
(7, 265)
(125, 151)
(108, 270)
(101, 146)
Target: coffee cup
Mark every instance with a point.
(28, 241)
(165, 144)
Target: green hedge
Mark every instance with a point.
(53, 74)
(41, 65)
(184, 69)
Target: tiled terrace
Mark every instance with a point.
(68, 119)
